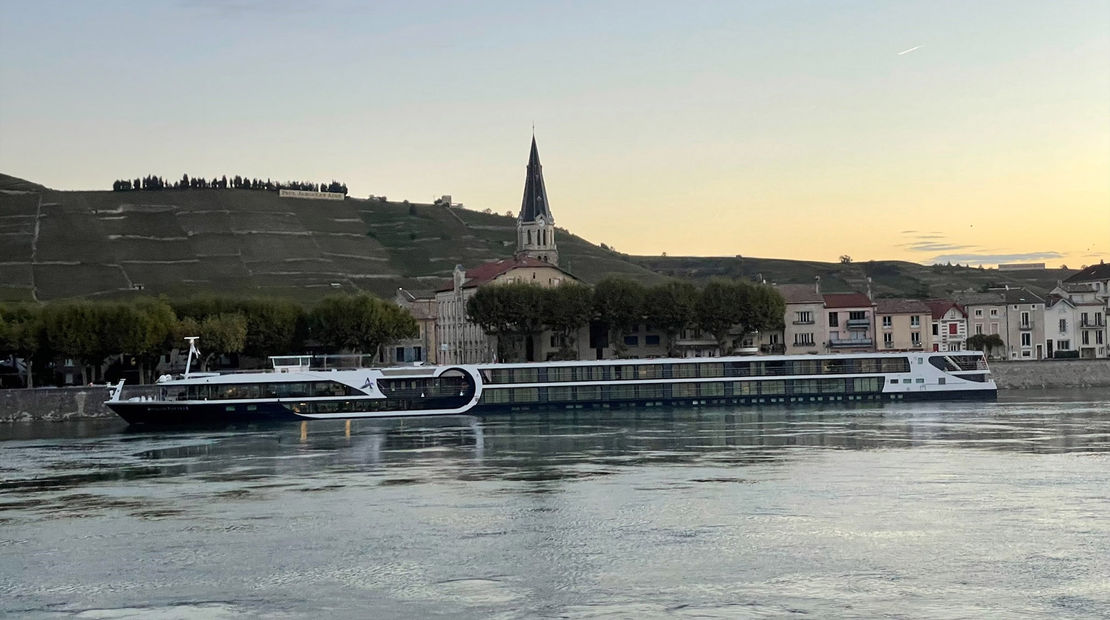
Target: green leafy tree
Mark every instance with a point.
(619, 305)
(360, 323)
(488, 308)
(985, 342)
(568, 308)
(80, 330)
(669, 307)
(21, 335)
(720, 308)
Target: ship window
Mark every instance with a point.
(772, 387)
(526, 395)
(832, 386)
(654, 371)
(744, 388)
(806, 367)
(587, 393)
(684, 390)
(804, 386)
(651, 390)
(684, 371)
(560, 373)
(712, 389)
(622, 392)
(712, 370)
(560, 394)
(895, 364)
(589, 373)
(495, 396)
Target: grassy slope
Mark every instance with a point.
(251, 242)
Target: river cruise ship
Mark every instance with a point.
(300, 388)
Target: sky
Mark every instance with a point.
(931, 131)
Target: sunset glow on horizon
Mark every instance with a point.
(929, 132)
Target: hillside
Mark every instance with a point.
(59, 244)
(888, 278)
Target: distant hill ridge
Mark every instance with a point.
(68, 244)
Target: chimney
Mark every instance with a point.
(817, 285)
(868, 288)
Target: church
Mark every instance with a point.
(536, 260)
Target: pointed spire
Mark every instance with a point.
(535, 194)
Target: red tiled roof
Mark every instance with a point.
(847, 300)
(939, 307)
(487, 272)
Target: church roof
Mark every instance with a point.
(487, 272)
(535, 194)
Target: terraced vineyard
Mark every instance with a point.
(58, 244)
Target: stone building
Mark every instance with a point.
(902, 325)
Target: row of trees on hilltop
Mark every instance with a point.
(143, 330)
(517, 312)
(157, 183)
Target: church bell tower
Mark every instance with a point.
(535, 227)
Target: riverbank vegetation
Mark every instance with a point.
(517, 313)
(101, 339)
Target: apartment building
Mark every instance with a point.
(1015, 314)
(948, 327)
(850, 321)
(804, 323)
(1060, 327)
(1089, 290)
(902, 325)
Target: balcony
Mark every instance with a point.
(800, 322)
(772, 349)
(1092, 323)
(1026, 326)
(858, 323)
(845, 343)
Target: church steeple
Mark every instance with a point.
(535, 225)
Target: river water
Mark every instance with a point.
(906, 510)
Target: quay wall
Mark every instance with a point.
(59, 404)
(1047, 374)
(79, 403)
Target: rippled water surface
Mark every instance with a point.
(938, 510)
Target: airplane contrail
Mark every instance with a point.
(916, 47)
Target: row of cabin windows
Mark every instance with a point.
(627, 372)
(299, 389)
(662, 391)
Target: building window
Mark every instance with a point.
(886, 321)
(1063, 345)
(1086, 337)
(834, 320)
(1063, 326)
(1025, 319)
(953, 329)
(936, 329)
(632, 341)
(651, 340)
(1098, 337)
(915, 321)
(1027, 340)
(915, 339)
(804, 317)
(994, 311)
(979, 312)
(888, 340)
(803, 339)
(978, 328)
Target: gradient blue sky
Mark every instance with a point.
(776, 129)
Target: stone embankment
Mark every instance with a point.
(80, 403)
(1051, 374)
(58, 404)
